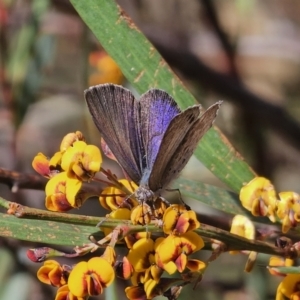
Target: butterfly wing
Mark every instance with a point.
(115, 112)
(157, 111)
(167, 167)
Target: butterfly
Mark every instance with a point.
(151, 138)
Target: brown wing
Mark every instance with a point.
(166, 167)
(115, 112)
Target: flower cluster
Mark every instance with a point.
(289, 287)
(82, 280)
(259, 197)
(150, 256)
(67, 169)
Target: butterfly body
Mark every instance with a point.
(151, 138)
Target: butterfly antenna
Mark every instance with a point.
(104, 220)
(128, 205)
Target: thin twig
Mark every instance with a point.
(232, 241)
(227, 47)
(16, 180)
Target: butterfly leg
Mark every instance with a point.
(187, 207)
(158, 206)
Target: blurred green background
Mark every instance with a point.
(246, 53)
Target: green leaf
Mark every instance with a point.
(215, 197)
(49, 232)
(143, 66)
(286, 270)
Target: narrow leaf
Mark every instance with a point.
(286, 270)
(215, 197)
(145, 68)
(46, 232)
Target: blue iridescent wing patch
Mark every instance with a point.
(151, 138)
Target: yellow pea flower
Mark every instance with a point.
(62, 193)
(259, 197)
(90, 278)
(52, 273)
(172, 252)
(178, 220)
(82, 159)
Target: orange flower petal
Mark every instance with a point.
(124, 268)
(89, 278)
(181, 262)
(51, 273)
(57, 202)
(41, 165)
